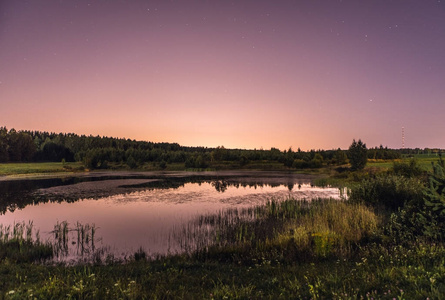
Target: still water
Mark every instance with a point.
(129, 211)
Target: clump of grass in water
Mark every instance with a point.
(325, 228)
(85, 238)
(19, 244)
(85, 234)
(60, 238)
(286, 230)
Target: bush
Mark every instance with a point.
(390, 191)
(425, 219)
(300, 164)
(411, 169)
(131, 162)
(163, 164)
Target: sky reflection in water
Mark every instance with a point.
(147, 218)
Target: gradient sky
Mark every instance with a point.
(243, 74)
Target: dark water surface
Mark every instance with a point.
(130, 210)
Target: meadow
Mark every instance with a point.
(37, 168)
(424, 161)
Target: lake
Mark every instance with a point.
(118, 213)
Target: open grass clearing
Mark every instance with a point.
(8, 169)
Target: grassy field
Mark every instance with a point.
(424, 161)
(38, 168)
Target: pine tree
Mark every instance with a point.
(357, 155)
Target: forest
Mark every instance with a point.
(97, 152)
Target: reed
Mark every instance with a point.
(21, 243)
(82, 235)
(317, 228)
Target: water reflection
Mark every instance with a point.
(17, 194)
(124, 214)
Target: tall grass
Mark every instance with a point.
(83, 236)
(331, 228)
(283, 230)
(319, 249)
(21, 243)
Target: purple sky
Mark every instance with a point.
(243, 74)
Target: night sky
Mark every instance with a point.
(243, 74)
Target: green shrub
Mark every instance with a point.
(413, 224)
(410, 169)
(435, 191)
(424, 219)
(300, 164)
(131, 162)
(390, 191)
(163, 164)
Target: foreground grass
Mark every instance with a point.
(400, 273)
(324, 250)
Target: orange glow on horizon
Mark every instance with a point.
(246, 75)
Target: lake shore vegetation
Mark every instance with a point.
(384, 240)
(357, 248)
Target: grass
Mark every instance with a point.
(296, 259)
(343, 177)
(320, 249)
(423, 160)
(20, 244)
(38, 168)
(282, 230)
(400, 273)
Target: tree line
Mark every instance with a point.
(99, 152)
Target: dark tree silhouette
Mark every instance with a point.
(357, 155)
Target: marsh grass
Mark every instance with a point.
(331, 228)
(320, 249)
(282, 231)
(21, 243)
(376, 272)
(81, 235)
